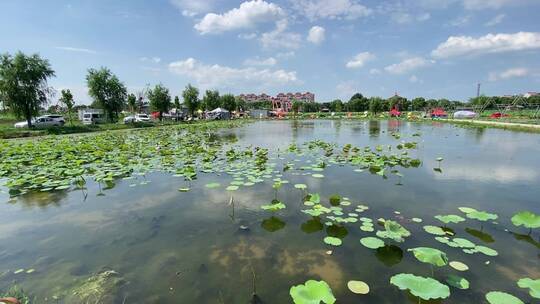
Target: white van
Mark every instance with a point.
(93, 118)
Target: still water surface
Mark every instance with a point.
(173, 247)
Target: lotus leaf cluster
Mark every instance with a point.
(424, 288)
(393, 230)
(312, 292)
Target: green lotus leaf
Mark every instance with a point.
(424, 288)
(334, 241)
(300, 186)
(317, 175)
(466, 209)
(358, 287)
(434, 230)
(533, 285)
(312, 292)
(231, 188)
(497, 297)
(393, 230)
(526, 219)
(212, 185)
(274, 206)
(459, 266)
(486, 250)
(430, 255)
(457, 282)
(450, 218)
(463, 243)
(372, 242)
(482, 216)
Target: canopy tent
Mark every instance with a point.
(465, 114)
(219, 113)
(438, 113)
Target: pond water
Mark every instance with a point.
(210, 245)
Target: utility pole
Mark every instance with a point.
(478, 90)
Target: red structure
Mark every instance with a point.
(282, 101)
(438, 113)
(394, 113)
(497, 115)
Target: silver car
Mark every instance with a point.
(40, 122)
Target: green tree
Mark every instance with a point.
(336, 106)
(376, 105)
(419, 103)
(177, 103)
(107, 91)
(191, 98)
(241, 104)
(211, 100)
(311, 107)
(23, 83)
(132, 102)
(228, 102)
(160, 100)
(296, 106)
(67, 100)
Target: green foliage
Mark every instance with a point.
(191, 98)
(107, 91)
(393, 230)
(497, 297)
(67, 100)
(132, 102)
(160, 100)
(431, 256)
(23, 83)
(527, 219)
(450, 218)
(228, 102)
(424, 288)
(211, 100)
(177, 102)
(372, 242)
(532, 285)
(312, 292)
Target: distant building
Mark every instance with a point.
(531, 94)
(282, 101)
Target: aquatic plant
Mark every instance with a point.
(424, 288)
(532, 285)
(457, 282)
(358, 287)
(393, 230)
(498, 297)
(334, 241)
(431, 256)
(372, 242)
(451, 218)
(526, 219)
(274, 206)
(312, 292)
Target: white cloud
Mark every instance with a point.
(346, 89)
(249, 14)
(249, 36)
(150, 59)
(461, 21)
(408, 65)
(375, 71)
(271, 61)
(331, 9)
(414, 79)
(359, 60)
(496, 20)
(285, 55)
(191, 8)
(217, 76)
(491, 4)
(316, 34)
(280, 38)
(491, 43)
(510, 73)
(74, 49)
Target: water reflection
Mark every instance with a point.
(393, 126)
(484, 236)
(527, 239)
(273, 224)
(312, 225)
(42, 199)
(374, 128)
(337, 231)
(389, 255)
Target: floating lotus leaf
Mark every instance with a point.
(424, 288)
(231, 188)
(372, 242)
(466, 209)
(416, 220)
(312, 292)
(430, 255)
(318, 175)
(334, 241)
(463, 243)
(533, 285)
(393, 230)
(457, 282)
(482, 216)
(434, 230)
(358, 287)
(497, 297)
(450, 218)
(459, 266)
(526, 219)
(335, 200)
(273, 224)
(486, 250)
(300, 186)
(212, 185)
(275, 206)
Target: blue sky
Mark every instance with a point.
(430, 48)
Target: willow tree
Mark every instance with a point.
(107, 91)
(160, 100)
(67, 100)
(23, 84)
(191, 98)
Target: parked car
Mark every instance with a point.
(137, 118)
(56, 117)
(92, 118)
(40, 122)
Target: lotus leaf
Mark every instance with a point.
(372, 242)
(300, 186)
(312, 292)
(393, 230)
(463, 243)
(358, 287)
(526, 219)
(466, 209)
(459, 266)
(334, 241)
(457, 282)
(430, 255)
(424, 288)
(486, 250)
(482, 216)
(497, 297)
(450, 218)
(533, 285)
(274, 206)
(434, 230)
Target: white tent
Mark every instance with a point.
(219, 113)
(465, 114)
